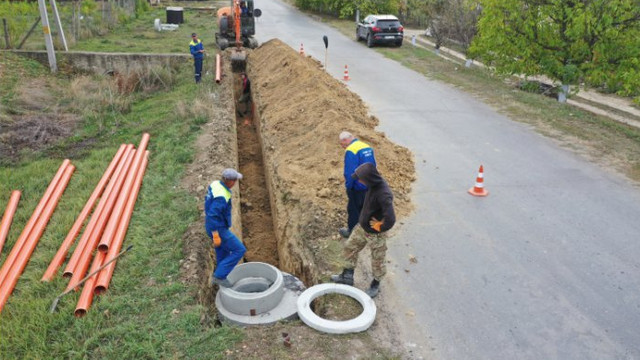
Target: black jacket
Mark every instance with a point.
(378, 203)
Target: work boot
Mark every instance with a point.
(345, 278)
(221, 282)
(374, 289)
(344, 232)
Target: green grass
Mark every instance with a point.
(135, 319)
(139, 36)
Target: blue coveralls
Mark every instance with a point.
(356, 154)
(194, 47)
(217, 207)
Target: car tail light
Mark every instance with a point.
(401, 29)
(375, 29)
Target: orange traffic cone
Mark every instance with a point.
(479, 189)
(346, 73)
(301, 50)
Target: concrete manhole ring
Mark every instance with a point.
(360, 323)
(258, 288)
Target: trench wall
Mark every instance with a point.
(293, 255)
(220, 150)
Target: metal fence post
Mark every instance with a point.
(6, 34)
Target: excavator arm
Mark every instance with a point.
(237, 22)
(238, 56)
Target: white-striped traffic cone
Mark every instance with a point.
(346, 73)
(478, 189)
(301, 50)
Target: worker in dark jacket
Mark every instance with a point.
(197, 50)
(356, 153)
(245, 96)
(376, 218)
(217, 206)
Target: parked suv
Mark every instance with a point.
(380, 29)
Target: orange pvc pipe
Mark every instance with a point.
(8, 263)
(85, 258)
(59, 257)
(118, 210)
(104, 276)
(7, 218)
(236, 16)
(88, 231)
(86, 296)
(218, 69)
(21, 261)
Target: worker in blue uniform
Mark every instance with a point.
(356, 153)
(217, 206)
(197, 51)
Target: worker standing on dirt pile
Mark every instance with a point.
(245, 97)
(197, 50)
(356, 153)
(376, 218)
(217, 207)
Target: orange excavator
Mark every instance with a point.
(236, 23)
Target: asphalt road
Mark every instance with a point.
(546, 267)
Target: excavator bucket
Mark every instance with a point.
(238, 61)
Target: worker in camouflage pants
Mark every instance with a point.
(376, 218)
(378, 245)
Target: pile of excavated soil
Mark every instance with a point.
(301, 111)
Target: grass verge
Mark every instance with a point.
(139, 36)
(147, 313)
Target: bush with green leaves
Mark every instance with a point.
(595, 42)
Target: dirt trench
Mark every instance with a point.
(292, 200)
(257, 220)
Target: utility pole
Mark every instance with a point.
(54, 8)
(51, 52)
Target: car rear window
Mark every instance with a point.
(388, 23)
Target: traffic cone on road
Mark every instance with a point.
(346, 73)
(301, 50)
(478, 189)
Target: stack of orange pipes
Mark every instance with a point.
(118, 191)
(28, 239)
(60, 256)
(98, 283)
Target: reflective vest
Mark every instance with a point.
(194, 47)
(356, 154)
(356, 146)
(217, 189)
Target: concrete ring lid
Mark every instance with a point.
(258, 288)
(360, 323)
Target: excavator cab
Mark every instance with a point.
(236, 26)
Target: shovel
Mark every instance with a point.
(57, 299)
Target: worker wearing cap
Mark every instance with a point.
(197, 50)
(356, 153)
(217, 206)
